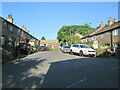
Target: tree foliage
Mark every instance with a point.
(43, 38)
(65, 34)
(73, 40)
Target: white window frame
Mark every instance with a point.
(116, 32)
(11, 28)
(10, 41)
(2, 40)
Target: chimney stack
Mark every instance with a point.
(10, 19)
(24, 29)
(111, 21)
(101, 25)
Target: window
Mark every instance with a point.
(102, 35)
(116, 32)
(11, 29)
(10, 41)
(28, 36)
(82, 40)
(18, 31)
(22, 33)
(115, 45)
(87, 39)
(4, 23)
(93, 38)
(25, 34)
(107, 44)
(2, 40)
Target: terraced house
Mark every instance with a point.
(52, 44)
(12, 35)
(105, 35)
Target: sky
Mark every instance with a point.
(46, 18)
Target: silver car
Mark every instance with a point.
(65, 49)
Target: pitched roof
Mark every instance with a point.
(108, 28)
(103, 29)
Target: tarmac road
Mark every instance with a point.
(54, 69)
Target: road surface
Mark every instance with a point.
(54, 69)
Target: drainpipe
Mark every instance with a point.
(111, 40)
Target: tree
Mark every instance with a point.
(66, 31)
(73, 40)
(43, 38)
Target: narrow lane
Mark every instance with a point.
(54, 69)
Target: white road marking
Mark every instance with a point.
(76, 82)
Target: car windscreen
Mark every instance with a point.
(22, 45)
(66, 46)
(42, 47)
(84, 46)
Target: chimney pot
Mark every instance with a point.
(10, 19)
(9, 16)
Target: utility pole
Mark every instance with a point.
(111, 40)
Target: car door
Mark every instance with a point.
(76, 48)
(73, 48)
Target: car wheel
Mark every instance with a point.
(92, 55)
(81, 53)
(71, 52)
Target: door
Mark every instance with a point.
(75, 48)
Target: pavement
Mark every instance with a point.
(54, 69)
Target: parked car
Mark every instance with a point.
(44, 48)
(82, 50)
(65, 49)
(25, 48)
